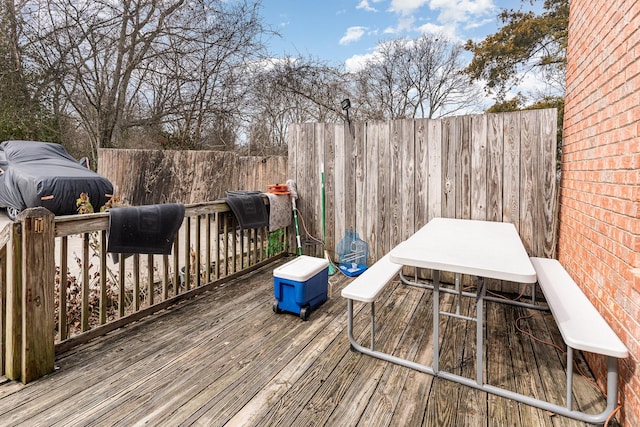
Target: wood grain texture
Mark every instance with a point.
(38, 267)
(226, 359)
(435, 159)
(479, 185)
(393, 177)
(145, 177)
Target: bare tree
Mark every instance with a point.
(208, 75)
(23, 114)
(292, 90)
(414, 78)
(192, 74)
(170, 65)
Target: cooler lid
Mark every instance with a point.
(301, 269)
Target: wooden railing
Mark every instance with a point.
(60, 287)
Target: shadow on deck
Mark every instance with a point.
(226, 358)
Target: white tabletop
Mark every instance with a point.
(479, 248)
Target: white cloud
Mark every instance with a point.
(357, 62)
(404, 24)
(447, 30)
(390, 30)
(452, 14)
(407, 7)
(478, 24)
(462, 10)
(353, 34)
(364, 5)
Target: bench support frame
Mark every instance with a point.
(479, 383)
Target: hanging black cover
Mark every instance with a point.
(44, 174)
(149, 229)
(249, 208)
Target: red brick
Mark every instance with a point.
(599, 227)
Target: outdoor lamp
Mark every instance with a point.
(346, 104)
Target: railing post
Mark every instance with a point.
(13, 315)
(38, 306)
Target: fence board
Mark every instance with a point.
(529, 133)
(293, 141)
(389, 179)
(306, 157)
(408, 186)
(330, 180)
(548, 183)
(360, 194)
(372, 162)
(396, 207)
(434, 133)
(145, 177)
(495, 141)
(463, 167)
(511, 179)
(479, 168)
(351, 151)
(422, 174)
(383, 180)
(449, 163)
(340, 188)
(315, 169)
(384, 215)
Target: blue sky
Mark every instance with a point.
(344, 32)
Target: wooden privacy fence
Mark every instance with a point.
(385, 180)
(144, 177)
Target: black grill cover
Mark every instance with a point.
(44, 174)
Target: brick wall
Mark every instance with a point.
(599, 234)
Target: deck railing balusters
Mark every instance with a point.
(187, 253)
(234, 246)
(62, 304)
(150, 280)
(103, 277)
(216, 237)
(85, 283)
(121, 286)
(198, 267)
(136, 282)
(176, 265)
(225, 237)
(207, 243)
(89, 278)
(165, 277)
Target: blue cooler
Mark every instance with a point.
(300, 285)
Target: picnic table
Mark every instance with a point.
(485, 250)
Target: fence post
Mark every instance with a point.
(38, 273)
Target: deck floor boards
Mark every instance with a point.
(224, 358)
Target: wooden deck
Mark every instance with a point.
(226, 359)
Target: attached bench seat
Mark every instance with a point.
(367, 286)
(582, 328)
(581, 325)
